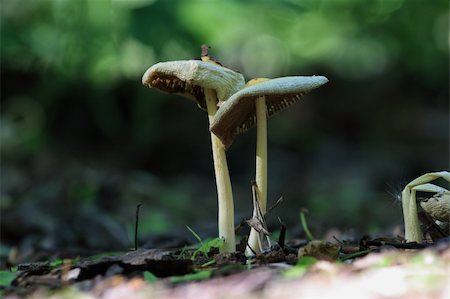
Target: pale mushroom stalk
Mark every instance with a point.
(261, 151)
(261, 169)
(252, 105)
(413, 232)
(223, 182)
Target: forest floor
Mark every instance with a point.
(370, 268)
(38, 259)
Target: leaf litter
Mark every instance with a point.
(365, 267)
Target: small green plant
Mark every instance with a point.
(56, 263)
(201, 275)
(209, 263)
(302, 266)
(182, 254)
(205, 246)
(305, 225)
(150, 277)
(6, 277)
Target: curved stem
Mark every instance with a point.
(261, 169)
(406, 197)
(223, 182)
(415, 233)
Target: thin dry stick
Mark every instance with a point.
(279, 201)
(136, 226)
(282, 237)
(259, 213)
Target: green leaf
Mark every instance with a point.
(56, 263)
(182, 254)
(150, 277)
(6, 278)
(207, 246)
(209, 263)
(201, 275)
(302, 266)
(305, 225)
(195, 234)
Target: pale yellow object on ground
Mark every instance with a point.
(413, 232)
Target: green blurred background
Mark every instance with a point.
(83, 142)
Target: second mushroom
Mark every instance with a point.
(252, 105)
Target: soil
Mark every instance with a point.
(370, 268)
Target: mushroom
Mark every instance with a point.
(413, 233)
(204, 82)
(258, 100)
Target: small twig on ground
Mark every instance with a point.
(282, 237)
(259, 216)
(337, 240)
(136, 226)
(279, 200)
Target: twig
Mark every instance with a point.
(279, 200)
(136, 226)
(259, 213)
(337, 240)
(282, 237)
(260, 217)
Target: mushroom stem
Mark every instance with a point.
(223, 182)
(413, 233)
(261, 169)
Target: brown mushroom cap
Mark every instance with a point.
(189, 78)
(237, 114)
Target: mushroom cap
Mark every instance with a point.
(190, 77)
(237, 114)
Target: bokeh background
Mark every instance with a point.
(83, 142)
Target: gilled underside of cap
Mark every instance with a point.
(172, 84)
(240, 115)
(190, 77)
(273, 106)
